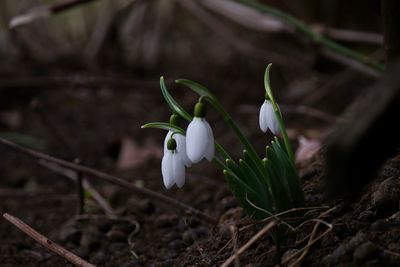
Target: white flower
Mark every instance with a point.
(180, 147)
(199, 140)
(173, 169)
(268, 119)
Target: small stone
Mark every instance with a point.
(327, 260)
(386, 197)
(287, 255)
(365, 251)
(100, 258)
(357, 240)
(70, 234)
(188, 236)
(116, 236)
(339, 252)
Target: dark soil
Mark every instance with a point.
(91, 123)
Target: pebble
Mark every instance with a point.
(365, 251)
(357, 240)
(387, 195)
(187, 236)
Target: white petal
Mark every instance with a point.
(167, 170)
(263, 117)
(210, 151)
(272, 122)
(181, 148)
(196, 139)
(178, 170)
(167, 137)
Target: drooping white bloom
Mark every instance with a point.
(180, 147)
(173, 169)
(268, 119)
(199, 140)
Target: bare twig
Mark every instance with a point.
(111, 179)
(44, 241)
(86, 185)
(233, 232)
(252, 240)
(79, 189)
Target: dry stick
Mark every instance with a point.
(85, 183)
(79, 189)
(249, 243)
(232, 230)
(44, 241)
(111, 179)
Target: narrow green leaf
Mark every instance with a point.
(283, 200)
(197, 88)
(244, 194)
(174, 106)
(292, 179)
(164, 126)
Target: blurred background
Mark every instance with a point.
(79, 78)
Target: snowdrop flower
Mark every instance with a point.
(199, 137)
(180, 147)
(268, 118)
(172, 166)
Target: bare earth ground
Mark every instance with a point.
(95, 125)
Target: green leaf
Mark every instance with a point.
(290, 174)
(267, 84)
(244, 194)
(197, 88)
(283, 200)
(164, 126)
(174, 106)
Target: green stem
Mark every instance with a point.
(314, 36)
(278, 113)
